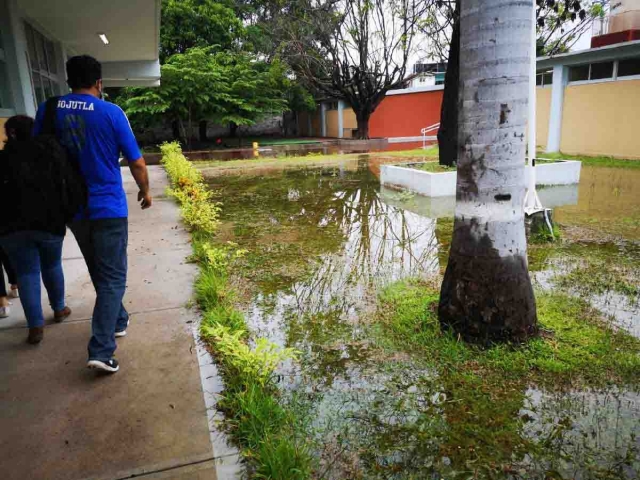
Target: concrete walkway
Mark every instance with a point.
(59, 420)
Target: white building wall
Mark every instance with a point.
(12, 24)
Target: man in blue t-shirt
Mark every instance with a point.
(94, 133)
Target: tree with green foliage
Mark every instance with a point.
(197, 23)
(256, 89)
(228, 88)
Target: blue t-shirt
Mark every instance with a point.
(95, 132)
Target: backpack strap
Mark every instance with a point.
(49, 120)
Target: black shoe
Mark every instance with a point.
(110, 366)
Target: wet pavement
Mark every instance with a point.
(324, 241)
(59, 420)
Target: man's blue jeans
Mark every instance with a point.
(33, 253)
(103, 243)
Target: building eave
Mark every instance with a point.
(600, 54)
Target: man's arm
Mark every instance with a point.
(129, 147)
(139, 171)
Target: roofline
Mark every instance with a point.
(608, 52)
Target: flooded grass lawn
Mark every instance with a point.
(348, 275)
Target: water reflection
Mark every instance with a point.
(322, 243)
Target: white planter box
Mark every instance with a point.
(425, 183)
(443, 184)
(566, 172)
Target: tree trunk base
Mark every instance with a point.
(487, 299)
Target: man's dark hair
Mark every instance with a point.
(19, 128)
(83, 71)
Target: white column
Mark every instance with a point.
(17, 59)
(560, 77)
(340, 119)
(61, 64)
(323, 119)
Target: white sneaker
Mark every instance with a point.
(123, 333)
(5, 312)
(14, 293)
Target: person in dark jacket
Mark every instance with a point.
(33, 230)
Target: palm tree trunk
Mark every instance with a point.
(486, 293)
(448, 131)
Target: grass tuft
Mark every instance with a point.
(600, 161)
(577, 345)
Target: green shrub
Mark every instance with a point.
(262, 426)
(199, 212)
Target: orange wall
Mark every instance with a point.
(405, 115)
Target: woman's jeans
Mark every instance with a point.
(34, 253)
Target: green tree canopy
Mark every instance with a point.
(204, 84)
(197, 23)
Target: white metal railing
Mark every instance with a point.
(628, 20)
(426, 137)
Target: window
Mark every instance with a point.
(629, 67)
(579, 73)
(602, 70)
(332, 106)
(593, 71)
(44, 67)
(5, 93)
(544, 79)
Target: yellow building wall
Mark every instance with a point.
(602, 119)
(349, 120)
(331, 118)
(543, 107)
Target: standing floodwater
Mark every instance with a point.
(328, 252)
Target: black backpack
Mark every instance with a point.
(74, 194)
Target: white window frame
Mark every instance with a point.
(544, 85)
(53, 78)
(6, 112)
(626, 77)
(614, 76)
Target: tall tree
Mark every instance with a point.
(356, 50)
(560, 25)
(197, 23)
(486, 293)
(187, 24)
